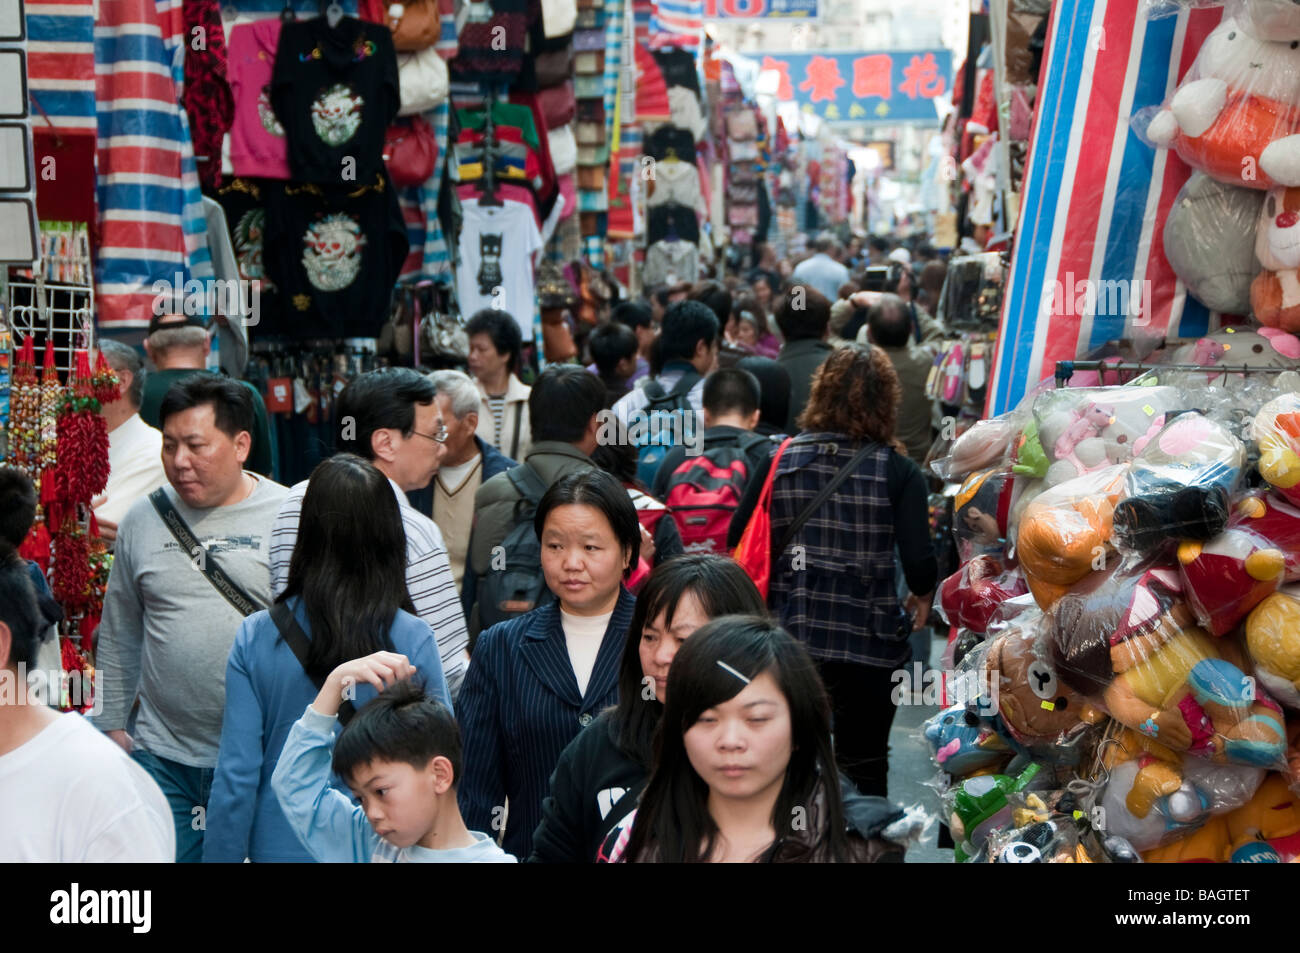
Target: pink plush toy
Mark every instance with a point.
(1088, 423)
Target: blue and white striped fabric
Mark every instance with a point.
(61, 63)
(677, 23)
(1096, 197)
(437, 258)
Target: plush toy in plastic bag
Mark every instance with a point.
(1210, 240)
(1178, 486)
(1155, 796)
(985, 444)
(1237, 347)
(1277, 431)
(1276, 20)
(980, 512)
(1064, 533)
(961, 744)
(1128, 639)
(1273, 638)
(1236, 114)
(978, 806)
(971, 596)
(1226, 577)
(1275, 292)
(1080, 430)
(1039, 711)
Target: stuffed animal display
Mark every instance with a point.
(1179, 485)
(1236, 115)
(1209, 238)
(1128, 639)
(972, 595)
(1065, 532)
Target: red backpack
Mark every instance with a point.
(704, 491)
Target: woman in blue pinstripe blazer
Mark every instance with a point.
(537, 680)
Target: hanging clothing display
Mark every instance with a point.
(490, 237)
(257, 145)
(335, 92)
(334, 253)
(207, 94)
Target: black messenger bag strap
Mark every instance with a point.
(825, 494)
(296, 639)
(191, 547)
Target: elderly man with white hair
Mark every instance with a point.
(469, 462)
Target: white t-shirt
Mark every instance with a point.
(72, 795)
(583, 635)
(496, 251)
(134, 467)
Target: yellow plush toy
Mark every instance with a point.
(1273, 637)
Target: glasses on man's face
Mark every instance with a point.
(439, 437)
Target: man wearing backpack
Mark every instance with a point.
(503, 577)
(703, 491)
(666, 411)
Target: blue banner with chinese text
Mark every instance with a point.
(893, 87)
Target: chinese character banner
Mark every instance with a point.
(889, 87)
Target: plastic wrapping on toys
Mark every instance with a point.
(1126, 639)
(981, 510)
(1154, 796)
(1040, 712)
(1179, 486)
(1229, 575)
(1210, 239)
(978, 806)
(1273, 639)
(985, 444)
(1236, 114)
(1274, 295)
(1078, 430)
(1064, 533)
(1277, 431)
(1269, 348)
(1276, 20)
(960, 743)
(1157, 9)
(971, 596)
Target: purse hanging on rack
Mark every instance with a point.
(410, 151)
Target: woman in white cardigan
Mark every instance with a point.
(494, 360)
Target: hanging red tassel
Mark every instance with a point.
(87, 628)
(36, 546)
(105, 382)
(78, 679)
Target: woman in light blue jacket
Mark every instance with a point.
(347, 592)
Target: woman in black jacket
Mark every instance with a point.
(610, 760)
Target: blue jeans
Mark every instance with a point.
(185, 788)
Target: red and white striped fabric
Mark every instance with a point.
(61, 63)
(1096, 197)
(678, 23)
(146, 161)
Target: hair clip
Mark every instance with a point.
(724, 665)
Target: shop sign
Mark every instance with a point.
(866, 87)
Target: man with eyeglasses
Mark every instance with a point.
(390, 417)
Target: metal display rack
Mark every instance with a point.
(63, 313)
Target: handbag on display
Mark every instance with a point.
(423, 81)
(554, 67)
(417, 27)
(410, 151)
(442, 335)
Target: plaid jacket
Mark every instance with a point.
(833, 587)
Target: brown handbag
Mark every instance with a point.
(419, 26)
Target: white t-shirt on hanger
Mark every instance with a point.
(497, 245)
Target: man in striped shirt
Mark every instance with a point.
(390, 417)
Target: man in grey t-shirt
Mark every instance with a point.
(166, 631)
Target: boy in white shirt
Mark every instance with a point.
(400, 754)
(67, 793)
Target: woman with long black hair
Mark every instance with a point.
(603, 770)
(347, 595)
(744, 769)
